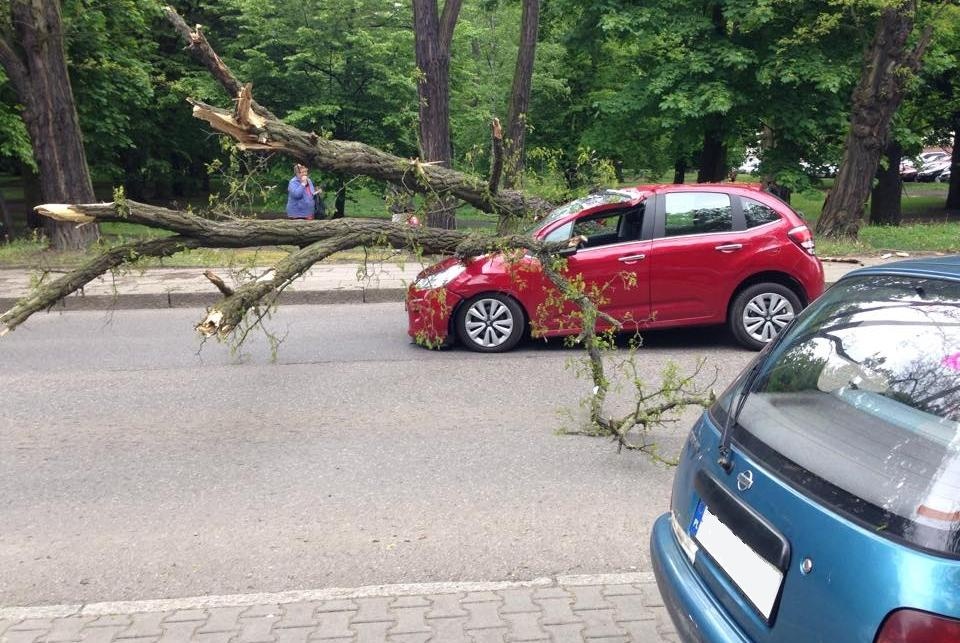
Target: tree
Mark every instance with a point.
(256, 128)
(433, 33)
(33, 56)
(520, 93)
(887, 64)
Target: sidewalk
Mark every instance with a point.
(609, 608)
(325, 283)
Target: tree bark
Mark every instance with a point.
(953, 194)
(514, 146)
(6, 221)
(875, 101)
(679, 172)
(36, 64)
(433, 33)
(713, 156)
(885, 201)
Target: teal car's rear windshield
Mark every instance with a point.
(859, 406)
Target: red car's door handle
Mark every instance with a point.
(632, 258)
(729, 247)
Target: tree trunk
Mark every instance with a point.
(953, 195)
(31, 196)
(885, 200)
(38, 72)
(514, 146)
(6, 221)
(875, 101)
(433, 33)
(340, 202)
(679, 171)
(713, 157)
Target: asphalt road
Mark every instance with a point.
(137, 463)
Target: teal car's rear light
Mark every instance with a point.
(914, 626)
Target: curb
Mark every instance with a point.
(135, 301)
(298, 596)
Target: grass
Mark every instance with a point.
(925, 229)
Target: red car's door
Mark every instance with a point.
(696, 257)
(613, 265)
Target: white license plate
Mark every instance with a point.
(754, 575)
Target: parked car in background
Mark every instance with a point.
(655, 256)
(932, 170)
(927, 167)
(819, 498)
(944, 177)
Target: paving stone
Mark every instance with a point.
(373, 610)
(101, 634)
(651, 595)
(299, 614)
(179, 632)
(525, 626)
(293, 634)
(187, 615)
(490, 635)
(452, 629)
(371, 632)
(642, 630)
(110, 620)
(410, 620)
(337, 605)
(614, 639)
(21, 636)
(517, 601)
(569, 633)
(143, 625)
(66, 629)
(589, 597)
(6, 623)
(483, 615)
(258, 629)
(620, 590)
(410, 601)
(33, 624)
(446, 606)
(222, 619)
(631, 608)
(412, 638)
(333, 625)
(550, 592)
(481, 597)
(261, 610)
(557, 611)
(213, 637)
(600, 623)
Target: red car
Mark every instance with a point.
(655, 256)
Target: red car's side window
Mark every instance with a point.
(697, 213)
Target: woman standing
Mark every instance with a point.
(300, 194)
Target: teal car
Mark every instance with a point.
(819, 498)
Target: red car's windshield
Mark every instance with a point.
(581, 204)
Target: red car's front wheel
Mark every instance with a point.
(490, 323)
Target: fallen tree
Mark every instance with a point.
(255, 128)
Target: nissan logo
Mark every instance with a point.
(745, 480)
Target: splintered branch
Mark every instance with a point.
(46, 295)
(255, 128)
(223, 318)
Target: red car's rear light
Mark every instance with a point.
(913, 626)
(802, 236)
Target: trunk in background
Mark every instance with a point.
(885, 206)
